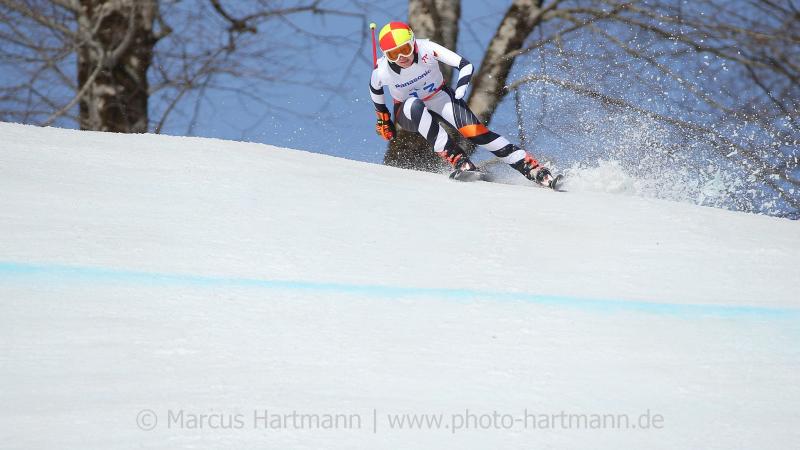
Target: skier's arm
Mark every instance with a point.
(376, 92)
(453, 59)
(384, 127)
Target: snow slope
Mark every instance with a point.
(146, 281)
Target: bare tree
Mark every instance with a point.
(126, 52)
(724, 75)
(113, 63)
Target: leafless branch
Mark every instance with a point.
(724, 145)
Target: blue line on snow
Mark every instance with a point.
(20, 270)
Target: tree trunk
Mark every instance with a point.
(113, 61)
(436, 20)
(488, 84)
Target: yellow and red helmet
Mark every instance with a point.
(396, 38)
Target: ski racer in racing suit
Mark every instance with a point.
(410, 71)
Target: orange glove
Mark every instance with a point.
(384, 127)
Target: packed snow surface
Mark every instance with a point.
(163, 292)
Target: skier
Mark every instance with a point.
(410, 69)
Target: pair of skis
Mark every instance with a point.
(477, 175)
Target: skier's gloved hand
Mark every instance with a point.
(461, 91)
(385, 127)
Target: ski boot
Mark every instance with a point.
(537, 173)
(463, 168)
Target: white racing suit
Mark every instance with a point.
(421, 88)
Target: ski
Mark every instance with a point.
(555, 183)
(477, 175)
(466, 175)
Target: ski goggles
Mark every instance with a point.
(394, 54)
